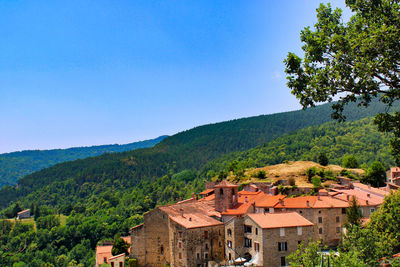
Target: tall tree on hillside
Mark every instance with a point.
(376, 175)
(353, 61)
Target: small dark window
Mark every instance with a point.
(319, 219)
(121, 264)
(338, 230)
(205, 234)
(343, 210)
(247, 242)
(112, 264)
(320, 230)
(319, 212)
(229, 244)
(337, 219)
(221, 191)
(283, 261)
(282, 246)
(230, 256)
(180, 234)
(162, 249)
(206, 256)
(247, 229)
(256, 231)
(198, 256)
(206, 246)
(301, 212)
(229, 232)
(179, 244)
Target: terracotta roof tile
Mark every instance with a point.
(279, 220)
(312, 202)
(206, 192)
(195, 214)
(268, 201)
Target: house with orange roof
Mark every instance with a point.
(328, 214)
(103, 252)
(182, 234)
(265, 239)
(393, 175)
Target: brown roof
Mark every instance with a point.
(117, 256)
(206, 192)
(279, 220)
(23, 211)
(192, 214)
(312, 202)
(225, 183)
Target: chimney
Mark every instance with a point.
(246, 200)
(308, 203)
(368, 195)
(190, 219)
(181, 211)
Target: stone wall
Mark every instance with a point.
(236, 237)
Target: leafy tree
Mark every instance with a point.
(376, 175)
(353, 61)
(353, 213)
(350, 161)
(316, 181)
(119, 246)
(323, 159)
(306, 255)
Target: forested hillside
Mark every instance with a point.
(18, 164)
(336, 140)
(106, 195)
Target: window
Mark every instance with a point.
(283, 261)
(179, 244)
(282, 246)
(206, 255)
(105, 260)
(205, 234)
(230, 256)
(247, 242)
(206, 246)
(256, 231)
(256, 246)
(112, 264)
(338, 230)
(198, 256)
(221, 192)
(121, 264)
(301, 212)
(337, 219)
(162, 250)
(247, 229)
(229, 244)
(319, 219)
(282, 232)
(319, 212)
(266, 210)
(343, 210)
(320, 230)
(229, 232)
(299, 230)
(220, 244)
(180, 234)
(180, 255)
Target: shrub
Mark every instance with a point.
(316, 181)
(350, 161)
(292, 181)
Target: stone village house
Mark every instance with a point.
(227, 224)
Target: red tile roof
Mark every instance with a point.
(319, 202)
(279, 220)
(206, 192)
(117, 256)
(192, 214)
(267, 201)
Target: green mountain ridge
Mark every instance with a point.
(191, 149)
(16, 165)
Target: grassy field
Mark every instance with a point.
(31, 221)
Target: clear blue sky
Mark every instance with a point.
(78, 73)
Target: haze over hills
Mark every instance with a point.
(18, 164)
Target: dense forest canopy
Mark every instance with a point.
(16, 165)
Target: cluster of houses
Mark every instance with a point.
(252, 227)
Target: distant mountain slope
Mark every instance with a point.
(18, 164)
(77, 180)
(360, 138)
